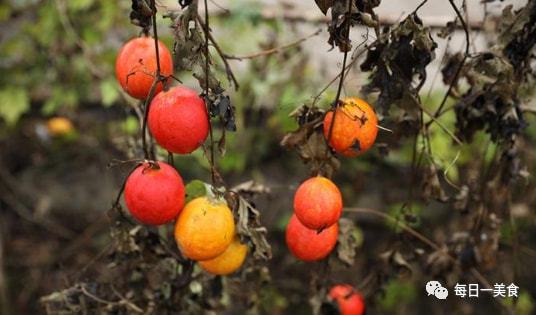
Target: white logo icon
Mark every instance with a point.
(436, 289)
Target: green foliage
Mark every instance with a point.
(56, 56)
(195, 189)
(13, 103)
(397, 293)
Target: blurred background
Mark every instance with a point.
(64, 124)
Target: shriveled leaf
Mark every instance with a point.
(439, 261)
(395, 259)
(398, 66)
(324, 5)
(350, 238)
(431, 187)
(141, 14)
(249, 226)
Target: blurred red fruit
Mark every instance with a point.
(350, 302)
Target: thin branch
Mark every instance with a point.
(348, 67)
(275, 49)
(336, 102)
(460, 67)
(478, 276)
(4, 300)
(403, 226)
(228, 69)
(127, 302)
(206, 29)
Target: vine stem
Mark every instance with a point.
(335, 104)
(207, 71)
(157, 79)
(438, 111)
(476, 274)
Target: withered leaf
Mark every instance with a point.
(249, 226)
(395, 259)
(324, 5)
(431, 187)
(439, 261)
(141, 14)
(348, 241)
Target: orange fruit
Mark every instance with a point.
(136, 64)
(204, 229)
(227, 262)
(355, 128)
(58, 126)
(318, 203)
(307, 244)
(350, 301)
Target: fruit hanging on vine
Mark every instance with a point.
(178, 120)
(310, 245)
(354, 129)
(349, 301)
(154, 193)
(227, 262)
(318, 203)
(205, 228)
(136, 66)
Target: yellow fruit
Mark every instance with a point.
(228, 262)
(58, 126)
(204, 229)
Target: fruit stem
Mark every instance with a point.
(149, 154)
(207, 70)
(337, 102)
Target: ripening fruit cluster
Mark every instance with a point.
(313, 230)
(177, 116)
(352, 130)
(154, 192)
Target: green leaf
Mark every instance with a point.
(109, 92)
(195, 189)
(13, 103)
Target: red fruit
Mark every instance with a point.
(307, 244)
(318, 203)
(153, 195)
(178, 120)
(349, 300)
(135, 66)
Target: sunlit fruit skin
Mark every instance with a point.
(178, 120)
(349, 300)
(136, 64)
(355, 127)
(154, 196)
(310, 245)
(229, 261)
(204, 229)
(318, 203)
